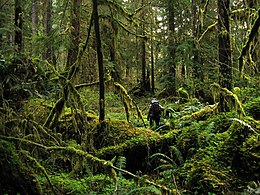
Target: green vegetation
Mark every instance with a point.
(196, 150)
(76, 82)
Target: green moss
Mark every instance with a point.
(37, 109)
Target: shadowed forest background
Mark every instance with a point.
(77, 78)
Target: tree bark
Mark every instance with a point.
(100, 63)
(34, 16)
(18, 39)
(171, 46)
(152, 64)
(75, 34)
(1, 26)
(47, 17)
(225, 70)
(197, 61)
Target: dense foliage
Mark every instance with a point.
(63, 64)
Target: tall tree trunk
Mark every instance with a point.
(1, 26)
(137, 57)
(18, 20)
(34, 16)
(75, 34)
(171, 46)
(145, 83)
(143, 65)
(225, 71)
(152, 65)
(100, 64)
(197, 61)
(47, 17)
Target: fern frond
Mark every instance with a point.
(245, 124)
(144, 190)
(163, 156)
(177, 152)
(119, 161)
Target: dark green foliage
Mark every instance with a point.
(21, 78)
(252, 108)
(15, 176)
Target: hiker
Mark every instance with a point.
(154, 112)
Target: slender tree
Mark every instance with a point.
(171, 45)
(197, 61)
(100, 63)
(152, 62)
(145, 83)
(34, 16)
(1, 24)
(18, 38)
(47, 22)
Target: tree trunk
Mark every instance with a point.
(47, 18)
(171, 46)
(1, 26)
(143, 61)
(18, 39)
(225, 71)
(152, 65)
(197, 61)
(75, 34)
(34, 16)
(100, 64)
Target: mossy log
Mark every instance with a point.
(138, 150)
(107, 165)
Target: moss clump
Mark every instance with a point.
(37, 109)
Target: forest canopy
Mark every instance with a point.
(77, 78)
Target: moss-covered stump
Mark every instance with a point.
(15, 176)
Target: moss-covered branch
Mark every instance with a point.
(207, 30)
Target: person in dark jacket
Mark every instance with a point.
(154, 113)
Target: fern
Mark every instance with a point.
(167, 158)
(245, 124)
(119, 161)
(177, 152)
(144, 190)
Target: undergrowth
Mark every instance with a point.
(196, 150)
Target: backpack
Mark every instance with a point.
(155, 109)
